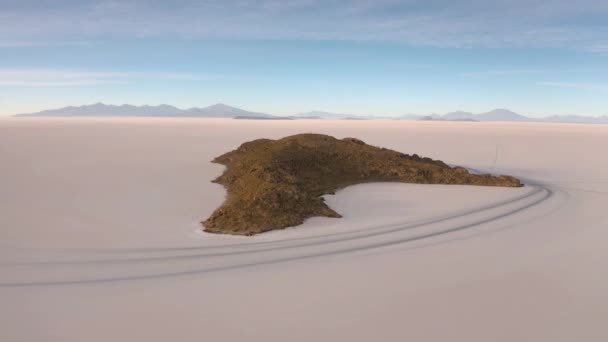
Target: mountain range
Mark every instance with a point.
(102, 110)
(493, 115)
(325, 115)
(224, 111)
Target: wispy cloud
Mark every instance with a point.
(34, 43)
(575, 85)
(443, 23)
(599, 48)
(516, 72)
(505, 72)
(68, 78)
(58, 84)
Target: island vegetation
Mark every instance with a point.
(274, 184)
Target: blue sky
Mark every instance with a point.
(382, 57)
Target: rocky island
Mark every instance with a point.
(274, 184)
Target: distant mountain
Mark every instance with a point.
(432, 117)
(500, 115)
(459, 115)
(409, 117)
(323, 115)
(577, 119)
(357, 118)
(103, 110)
(100, 109)
(494, 115)
(306, 117)
(223, 111)
(507, 115)
(263, 118)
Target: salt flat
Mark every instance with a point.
(100, 237)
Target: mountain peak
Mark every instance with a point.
(220, 105)
(325, 115)
(501, 114)
(501, 110)
(458, 115)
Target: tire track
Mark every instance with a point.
(335, 237)
(113, 251)
(301, 251)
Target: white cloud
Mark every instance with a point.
(599, 48)
(57, 84)
(33, 43)
(575, 85)
(66, 78)
(515, 72)
(443, 23)
(504, 72)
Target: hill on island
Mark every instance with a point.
(274, 184)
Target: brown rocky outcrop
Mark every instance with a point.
(274, 184)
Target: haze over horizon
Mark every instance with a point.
(385, 57)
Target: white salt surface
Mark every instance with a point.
(100, 239)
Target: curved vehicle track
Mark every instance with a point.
(90, 266)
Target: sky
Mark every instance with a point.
(380, 57)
